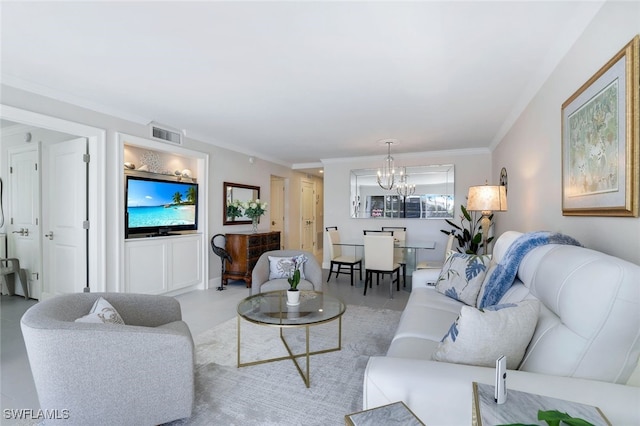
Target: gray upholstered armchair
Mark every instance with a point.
(260, 282)
(141, 373)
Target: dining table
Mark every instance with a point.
(411, 246)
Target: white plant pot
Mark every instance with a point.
(293, 297)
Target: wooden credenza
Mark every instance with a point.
(245, 248)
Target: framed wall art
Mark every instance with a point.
(600, 142)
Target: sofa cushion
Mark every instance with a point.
(462, 276)
(282, 267)
(431, 323)
(429, 298)
(479, 337)
(412, 348)
(102, 312)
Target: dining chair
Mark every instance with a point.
(438, 265)
(378, 258)
(377, 232)
(338, 259)
(9, 269)
(399, 237)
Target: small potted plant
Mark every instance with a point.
(293, 295)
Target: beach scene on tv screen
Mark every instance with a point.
(153, 203)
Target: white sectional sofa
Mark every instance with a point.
(585, 347)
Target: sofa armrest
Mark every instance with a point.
(259, 274)
(103, 366)
(440, 393)
(424, 278)
(135, 309)
(145, 310)
(313, 273)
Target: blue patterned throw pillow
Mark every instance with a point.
(462, 276)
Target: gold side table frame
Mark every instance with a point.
(277, 299)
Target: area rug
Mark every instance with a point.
(274, 393)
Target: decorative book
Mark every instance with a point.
(522, 407)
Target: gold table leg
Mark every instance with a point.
(307, 353)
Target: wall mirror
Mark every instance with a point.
(433, 197)
(233, 193)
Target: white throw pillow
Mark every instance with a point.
(282, 267)
(462, 276)
(479, 337)
(102, 312)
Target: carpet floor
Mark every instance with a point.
(274, 393)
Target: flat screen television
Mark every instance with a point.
(159, 207)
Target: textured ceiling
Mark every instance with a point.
(297, 82)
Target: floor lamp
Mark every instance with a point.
(487, 199)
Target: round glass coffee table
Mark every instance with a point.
(271, 309)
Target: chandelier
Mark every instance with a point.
(405, 189)
(387, 174)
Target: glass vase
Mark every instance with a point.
(254, 223)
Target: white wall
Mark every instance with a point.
(531, 151)
(472, 167)
(224, 165)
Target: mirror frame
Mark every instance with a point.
(226, 186)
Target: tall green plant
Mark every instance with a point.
(469, 233)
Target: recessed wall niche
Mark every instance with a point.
(171, 262)
(158, 162)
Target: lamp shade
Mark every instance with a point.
(487, 198)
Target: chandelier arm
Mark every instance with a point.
(386, 177)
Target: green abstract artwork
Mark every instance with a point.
(594, 144)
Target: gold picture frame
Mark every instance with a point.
(600, 140)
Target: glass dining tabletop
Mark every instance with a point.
(412, 247)
(408, 244)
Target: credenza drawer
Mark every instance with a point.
(245, 249)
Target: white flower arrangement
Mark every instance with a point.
(254, 209)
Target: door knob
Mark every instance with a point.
(23, 231)
(49, 235)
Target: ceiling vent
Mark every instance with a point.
(165, 134)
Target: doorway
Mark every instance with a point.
(307, 216)
(22, 213)
(39, 133)
(277, 207)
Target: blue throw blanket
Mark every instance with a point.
(505, 272)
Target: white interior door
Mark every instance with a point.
(307, 208)
(277, 207)
(24, 211)
(65, 200)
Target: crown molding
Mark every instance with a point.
(442, 153)
(58, 95)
